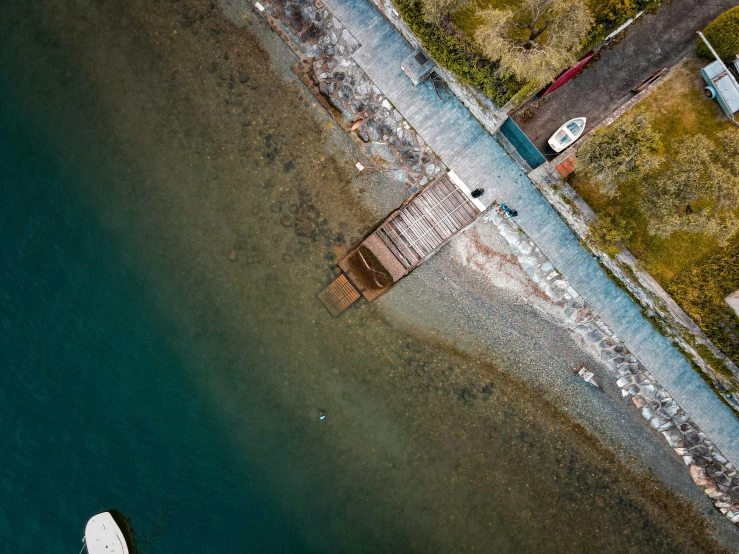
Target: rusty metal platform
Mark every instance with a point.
(339, 295)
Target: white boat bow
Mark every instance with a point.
(104, 536)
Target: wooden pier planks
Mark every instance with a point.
(409, 235)
(430, 219)
(339, 295)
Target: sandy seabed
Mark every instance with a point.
(452, 416)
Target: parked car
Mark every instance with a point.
(567, 134)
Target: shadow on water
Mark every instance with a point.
(166, 354)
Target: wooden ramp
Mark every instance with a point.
(339, 295)
(427, 221)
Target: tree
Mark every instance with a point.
(723, 34)
(699, 189)
(536, 41)
(434, 11)
(627, 148)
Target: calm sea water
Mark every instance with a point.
(163, 352)
(95, 407)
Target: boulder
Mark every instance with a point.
(363, 134)
(383, 152)
(699, 476)
(673, 437)
(374, 129)
(345, 92)
(399, 175)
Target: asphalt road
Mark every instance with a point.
(654, 41)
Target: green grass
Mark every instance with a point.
(701, 289)
(696, 271)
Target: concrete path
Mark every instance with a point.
(475, 156)
(654, 41)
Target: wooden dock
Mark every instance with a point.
(403, 241)
(339, 295)
(427, 221)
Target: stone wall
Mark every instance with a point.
(673, 322)
(327, 68)
(708, 467)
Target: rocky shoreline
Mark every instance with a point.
(708, 468)
(326, 67)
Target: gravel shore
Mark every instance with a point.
(453, 422)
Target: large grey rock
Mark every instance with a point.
(348, 39)
(345, 92)
(362, 89)
(399, 175)
(382, 151)
(525, 247)
(375, 132)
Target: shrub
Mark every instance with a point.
(458, 55)
(627, 148)
(607, 233)
(723, 34)
(698, 191)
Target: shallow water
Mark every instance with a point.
(166, 355)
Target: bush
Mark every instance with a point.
(609, 16)
(458, 55)
(607, 234)
(723, 34)
(627, 148)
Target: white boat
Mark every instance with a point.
(103, 535)
(567, 134)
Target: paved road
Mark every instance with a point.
(653, 42)
(474, 155)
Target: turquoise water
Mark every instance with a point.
(163, 352)
(95, 407)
